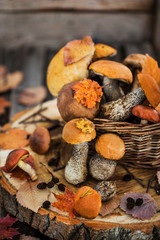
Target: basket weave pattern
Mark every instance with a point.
(142, 141)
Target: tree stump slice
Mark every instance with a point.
(57, 224)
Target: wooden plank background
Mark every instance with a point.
(89, 5)
(54, 29)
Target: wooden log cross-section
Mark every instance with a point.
(57, 224)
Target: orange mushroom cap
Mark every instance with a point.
(113, 70)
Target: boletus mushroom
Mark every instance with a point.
(121, 109)
(79, 99)
(111, 73)
(134, 62)
(39, 140)
(18, 158)
(78, 132)
(109, 147)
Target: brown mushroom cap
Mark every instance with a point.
(69, 107)
(113, 70)
(39, 140)
(134, 60)
(103, 50)
(73, 135)
(110, 146)
(13, 158)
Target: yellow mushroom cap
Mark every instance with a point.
(78, 130)
(113, 70)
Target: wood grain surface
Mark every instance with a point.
(89, 5)
(54, 221)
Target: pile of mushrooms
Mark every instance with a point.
(117, 103)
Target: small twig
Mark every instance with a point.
(59, 168)
(46, 118)
(34, 114)
(133, 176)
(150, 181)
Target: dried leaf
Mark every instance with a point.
(158, 108)
(14, 138)
(6, 232)
(31, 96)
(77, 49)
(65, 202)
(3, 104)
(144, 211)
(11, 80)
(3, 72)
(150, 67)
(88, 92)
(109, 206)
(31, 197)
(103, 50)
(150, 88)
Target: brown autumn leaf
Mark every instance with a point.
(109, 206)
(103, 50)
(31, 197)
(3, 104)
(150, 67)
(3, 71)
(77, 49)
(158, 108)
(150, 88)
(11, 80)
(14, 138)
(31, 96)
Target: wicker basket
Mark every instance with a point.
(142, 141)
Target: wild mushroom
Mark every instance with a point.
(134, 61)
(78, 132)
(16, 158)
(111, 72)
(121, 109)
(106, 189)
(79, 99)
(39, 140)
(102, 51)
(109, 147)
(70, 64)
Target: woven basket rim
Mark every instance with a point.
(105, 124)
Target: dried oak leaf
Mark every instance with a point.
(109, 206)
(31, 96)
(145, 211)
(31, 197)
(10, 81)
(77, 49)
(149, 80)
(87, 92)
(150, 67)
(3, 104)
(65, 202)
(14, 138)
(6, 232)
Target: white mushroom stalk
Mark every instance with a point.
(76, 168)
(28, 169)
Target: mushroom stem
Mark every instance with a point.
(121, 109)
(76, 168)
(112, 90)
(28, 169)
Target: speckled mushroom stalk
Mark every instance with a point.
(76, 168)
(110, 148)
(121, 109)
(78, 132)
